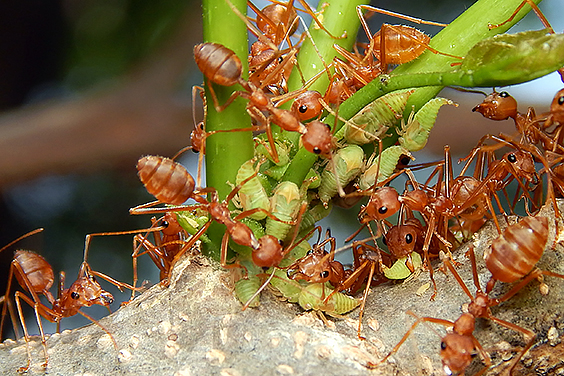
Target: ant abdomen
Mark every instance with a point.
(218, 63)
(514, 254)
(165, 179)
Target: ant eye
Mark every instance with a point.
(75, 295)
(324, 274)
(384, 241)
(316, 150)
(309, 252)
(201, 126)
(280, 242)
(382, 210)
(303, 109)
(504, 94)
(328, 126)
(443, 345)
(165, 224)
(405, 160)
(512, 158)
(408, 238)
(561, 100)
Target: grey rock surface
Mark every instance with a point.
(195, 326)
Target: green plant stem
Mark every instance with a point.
(225, 152)
(455, 39)
(466, 30)
(340, 19)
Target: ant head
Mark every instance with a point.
(498, 106)
(383, 203)
(523, 163)
(401, 239)
(318, 139)
(197, 137)
(456, 353)
(557, 107)
(269, 252)
(307, 106)
(314, 267)
(86, 291)
(172, 227)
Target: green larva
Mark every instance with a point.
(282, 148)
(245, 289)
(289, 289)
(314, 215)
(348, 163)
(414, 134)
(192, 223)
(284, 205)
(399, 270)
(252, 194)
(375, 119)
(339, 304)
(388, 162)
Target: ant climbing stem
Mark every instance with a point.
(162, 185)
(397, 44)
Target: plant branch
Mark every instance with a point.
(456, 39)
(225, 152)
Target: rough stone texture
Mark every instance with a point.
(196, 327)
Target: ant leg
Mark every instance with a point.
(89, 237)
(526, 332)
(101, 327)
(62, 278)
(6, 301)
(399, 15)
(535, 9)
(118, 284)
(449, 265)
(319, 24)
(413, 326)
(19, 295)
(154, 253)
(191, 242)
(426, 244)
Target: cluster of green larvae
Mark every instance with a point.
(350, 166)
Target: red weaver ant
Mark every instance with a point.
(36, 277)
(458, 346)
